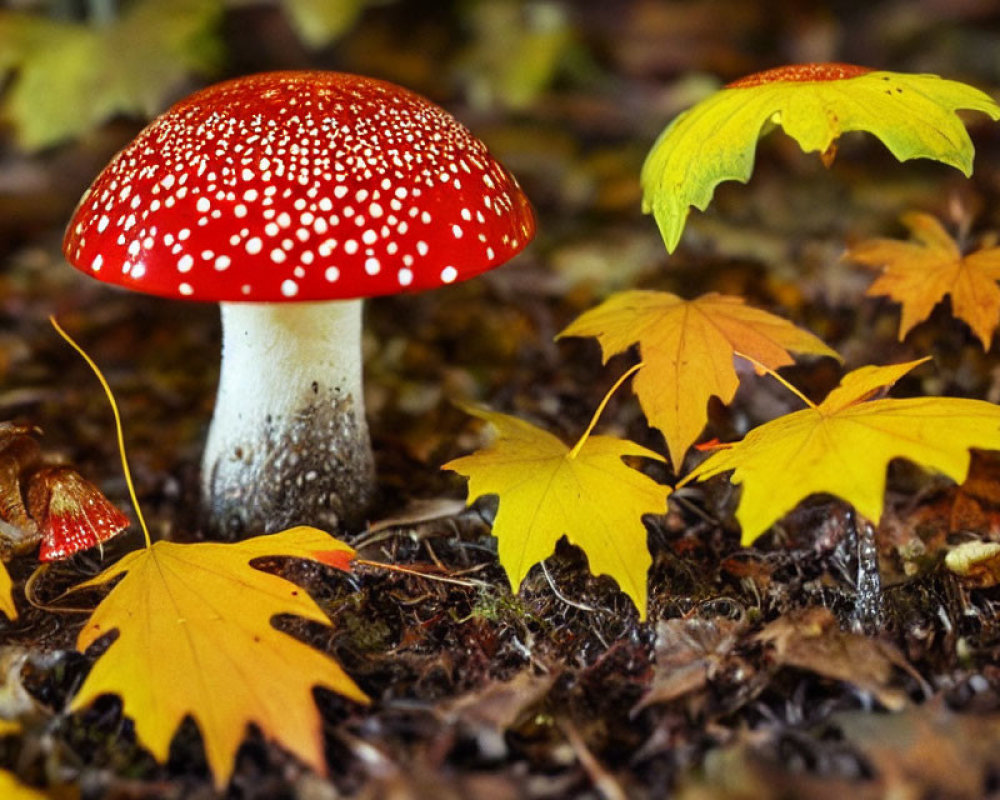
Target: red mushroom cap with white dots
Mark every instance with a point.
(299, 186)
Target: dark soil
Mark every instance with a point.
(761, 672)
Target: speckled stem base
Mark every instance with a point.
(288, 443)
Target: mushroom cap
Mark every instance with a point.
(298, 186)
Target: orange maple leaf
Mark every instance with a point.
(687, 349)
(920, 273)
(195, 638)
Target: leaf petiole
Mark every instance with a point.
(593, 421)
(118, 426)
(764, 368)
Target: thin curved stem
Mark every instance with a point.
(777, 377)
(593, 420)
(118, 427)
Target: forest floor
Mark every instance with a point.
(761, 672)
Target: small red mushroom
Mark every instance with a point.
(288, 197)
(71, 513)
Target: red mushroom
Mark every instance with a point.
(288, 197)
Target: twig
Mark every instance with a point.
(561, 596)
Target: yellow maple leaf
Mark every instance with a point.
(844, 445)
(919, 274)
(195, 638)
(548, 490)
(687, 349)
(715, 141)
(12, 789)
(7, 605)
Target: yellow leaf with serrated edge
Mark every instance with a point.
(715, 140)
(12, 789)
(920, 273)
(546, 491)
(195, 638)
(687, 349)
(843, 447)
(7, 605)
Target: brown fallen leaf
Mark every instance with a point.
(689, 653)
(927, 750)
(976, 504)
(810, 639)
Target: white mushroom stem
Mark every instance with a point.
(288, 443)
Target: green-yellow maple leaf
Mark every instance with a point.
(547, 490)
(195, 638)
(319, 22)
(844, 445)
(7, 605)
(687, 349)
(71, 77)
(715, 141)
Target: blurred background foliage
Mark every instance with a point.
(570, 93)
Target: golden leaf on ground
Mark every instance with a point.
(919, 274)
(12, 789)
(547, 490)
(7, 605)
(195, 638)
(687, 349)
(843, 447)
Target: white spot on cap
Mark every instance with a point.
(448, 274)
(222, 262)
(97, 262)
(186, 289)
(254, 245)
(278, 256)
(289, 288)
(185, 263)
(456, 231)
(405, 276)
(350, 247)
(372, 266)
(422, 248)
(332, 274)
(203, 205)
